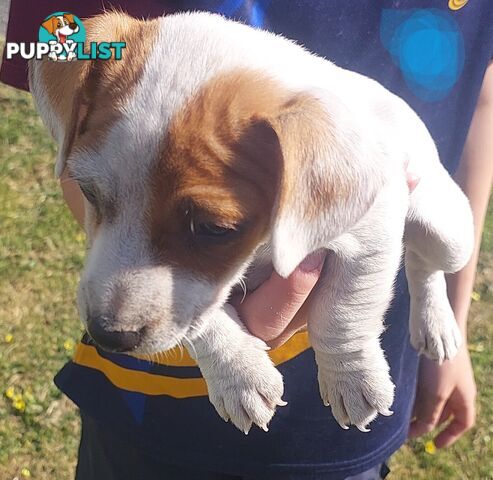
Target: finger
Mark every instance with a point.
(296, 325)
(428, 411)
(446, 414)
(463, 421)
(268, 311)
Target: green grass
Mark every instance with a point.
(41, 253)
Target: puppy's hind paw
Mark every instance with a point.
(438, 339)
(356, 397)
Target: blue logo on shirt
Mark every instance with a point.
(428, 47)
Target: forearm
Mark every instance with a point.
(475, 176)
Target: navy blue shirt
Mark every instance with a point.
(433, 56)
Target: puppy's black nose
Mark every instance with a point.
(112, 340)
(73, 26)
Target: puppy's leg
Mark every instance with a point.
(432, 323)
(243, 384)
(346, 316)
(439, 237)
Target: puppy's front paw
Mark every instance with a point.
(356, 396)
(244, 387)
(436, 335)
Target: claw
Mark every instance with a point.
(387, 412)
(363, 429)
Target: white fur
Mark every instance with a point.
(377, 135)
(243, 384)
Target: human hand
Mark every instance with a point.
(445, 392)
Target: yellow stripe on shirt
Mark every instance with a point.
(137, 381)
(177, 357)
(154, 384)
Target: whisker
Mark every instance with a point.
(180, 346)
(159, 357)
(244, 288)
(185, 339)
(167, 355)
(200, 331)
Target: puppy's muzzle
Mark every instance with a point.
(113, 340)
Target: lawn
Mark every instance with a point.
(41, 253)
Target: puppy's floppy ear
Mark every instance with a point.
(316, 163)
(80, 97)
(50, 24)
(330, 176)
(57, 88)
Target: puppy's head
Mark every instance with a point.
(183, 182)
(63, 24)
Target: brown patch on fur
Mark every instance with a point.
(306, 134)
(222, 163)
(87, 96)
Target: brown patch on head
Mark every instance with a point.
(220, 165)
(223, 161)
(87, 96)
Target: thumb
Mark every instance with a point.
(268, 310)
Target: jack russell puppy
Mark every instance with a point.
(213, 151)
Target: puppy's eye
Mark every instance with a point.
(89, 194)
(211, 230)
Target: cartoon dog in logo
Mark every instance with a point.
(62, 27)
